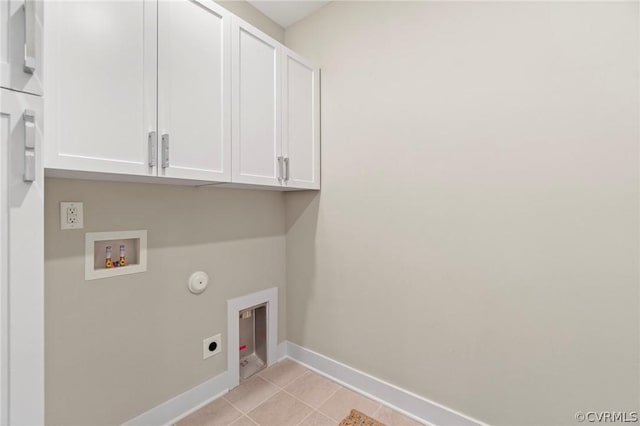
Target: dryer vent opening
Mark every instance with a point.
(253, 340)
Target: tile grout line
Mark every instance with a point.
(317, 410)
(379, 405)
(259, 404)
(247, 416)
(375, 413)
(307, 372)
(234, 406)
(328, 398)
(287, 384)
(306, 417)
(298, 399)
(242, 413)
(332, 393)
(278, 389)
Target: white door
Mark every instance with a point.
(21, 45)
(22, 295)
(300, 122)
(194, 96)
(101, 85)
(256, 117)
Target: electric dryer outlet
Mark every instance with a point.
(211, 346)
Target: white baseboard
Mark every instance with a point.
(282, 351)
(187, 402)
(410, 404)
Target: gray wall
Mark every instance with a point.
(476, 237)
(117, 347)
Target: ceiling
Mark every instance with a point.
(287, 13)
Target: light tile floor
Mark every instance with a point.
(288, 394)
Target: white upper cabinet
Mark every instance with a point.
(276, 117)
(300, 122)
(256, 139)
(21, 45)
(139, 87)
(194, 90)
(178, 90)
(101, 85)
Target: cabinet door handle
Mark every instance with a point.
(29, 66)
(165, 151)
(286, 168)
(280, 167)
(29, 119)
(153, 149)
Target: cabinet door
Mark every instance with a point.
(22, 269)
(256, 117)
(300, 122)
(101, 85)
(194, 88)
(21, 45)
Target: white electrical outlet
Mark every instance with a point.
(71, 215)
(211, 346)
